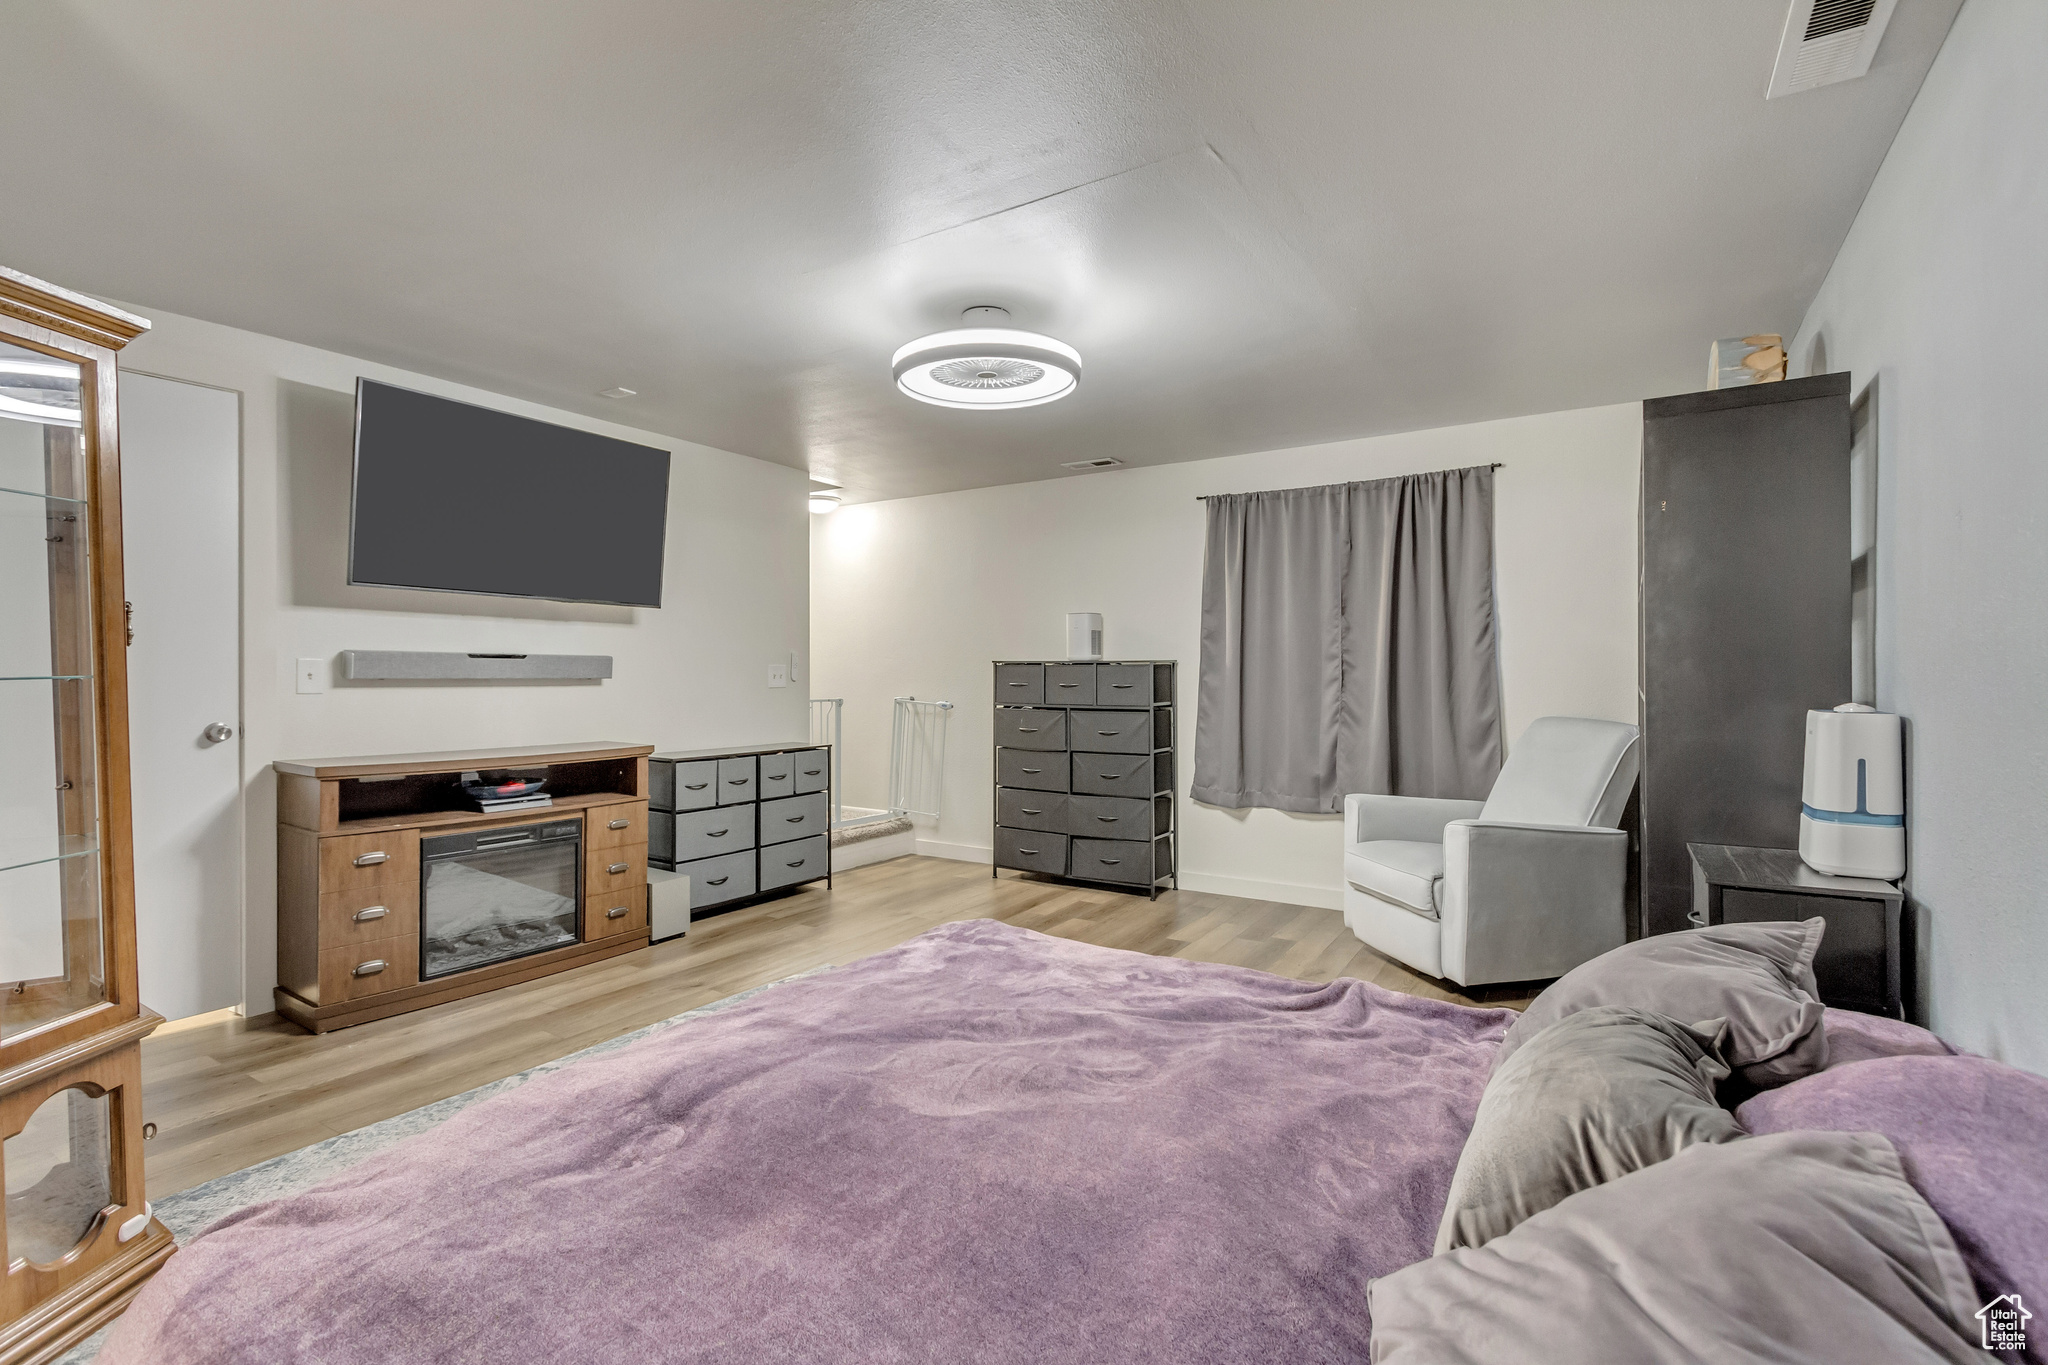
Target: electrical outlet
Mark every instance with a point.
(778, 675)
(312, 675)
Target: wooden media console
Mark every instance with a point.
(351, 942)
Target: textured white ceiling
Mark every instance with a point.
(1264, 224)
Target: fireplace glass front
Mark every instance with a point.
(492, 894)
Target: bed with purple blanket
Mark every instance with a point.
(984, 1145)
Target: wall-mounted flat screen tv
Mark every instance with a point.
(456, 498)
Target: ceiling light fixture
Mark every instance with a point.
(824, 500)
(985, 366)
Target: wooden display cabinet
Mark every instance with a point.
(79, 1235)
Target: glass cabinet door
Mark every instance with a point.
(52, 942)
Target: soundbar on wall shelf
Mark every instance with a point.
(403, 665)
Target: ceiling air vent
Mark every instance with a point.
(1104, 463)
(1827, 41)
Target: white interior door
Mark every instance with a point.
(180, 509)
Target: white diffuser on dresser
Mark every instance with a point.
(1852, 820)
(1084, 635)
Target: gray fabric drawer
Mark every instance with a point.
(1020, 684)
(794, 817)
(1070, 684)
(1117, 817)
(736, 780)
(1123, 774)
(1031, 728)
(788, 864)
(775, 775)
(1031, 809)
(1029, 768)
(1129, 684)
(1118, 860)
(707, 833)
(682, 786)
(813, 769)
(714, 881)
(1030, 851)
(1113, 732)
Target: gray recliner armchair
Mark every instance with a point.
(1524, 885)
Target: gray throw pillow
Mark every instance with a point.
(1758, 977)
(1598, 1094)
(1802, 1246)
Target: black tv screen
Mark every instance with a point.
(457, 498)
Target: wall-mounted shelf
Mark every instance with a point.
(401, 665)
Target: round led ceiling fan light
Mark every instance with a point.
(987, 367)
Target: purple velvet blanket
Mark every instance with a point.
(985, 1145)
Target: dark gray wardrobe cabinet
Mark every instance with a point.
(1743, 617)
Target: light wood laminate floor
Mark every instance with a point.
(226, 1093)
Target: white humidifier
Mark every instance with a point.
(1852, 820)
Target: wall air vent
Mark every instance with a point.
(1826, 41)
(1104, 463)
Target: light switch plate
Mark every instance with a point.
(312, 675)
(778, 675)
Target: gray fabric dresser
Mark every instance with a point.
(742, 822)
(1084, 771)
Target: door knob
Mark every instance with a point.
(218, 731)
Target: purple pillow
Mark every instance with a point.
(1973, 1136)
(1856, 1037)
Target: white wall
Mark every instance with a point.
(1940, 296)
(690, 674)
(917, 596)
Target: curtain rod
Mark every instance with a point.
(1204, 497)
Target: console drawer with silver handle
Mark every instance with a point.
(615, 826)
(362, 913)
(777, 775)
(614, 870)
(794, 817)
(354, 860)
(353, 971)
(621, 912)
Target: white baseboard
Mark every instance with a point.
(959, 853)
(1287, 893)
(846, 857)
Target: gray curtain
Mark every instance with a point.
(1348, 644)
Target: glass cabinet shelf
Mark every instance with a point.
(46, 497)
(28, 852)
